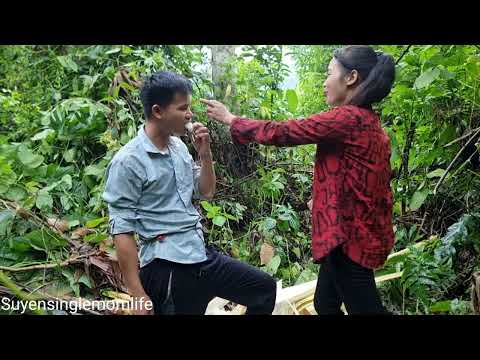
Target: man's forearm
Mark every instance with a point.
(207, 175)
(128, 260)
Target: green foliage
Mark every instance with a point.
(62, 118)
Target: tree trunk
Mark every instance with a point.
(238, 159)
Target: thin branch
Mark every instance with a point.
(455, 159)
(461, 138)
(403, 54)
(45, 266)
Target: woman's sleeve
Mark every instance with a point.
(336, 125)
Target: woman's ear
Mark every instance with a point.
(352, 78)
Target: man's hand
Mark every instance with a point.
(310, 204)
(201, 139)
(126, 247)
(219, 112)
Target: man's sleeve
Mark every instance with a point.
(122, 192)
(196, 169)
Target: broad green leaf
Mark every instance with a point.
(441, 306)
(272, 266)
(6, 219)
(84, 279)
(7, 176)
(426, 78)
(95, 238)
(94, 170)
(44, 200)
(19, 244)
(45, 240)
(268, 224)
(113, 51)
(306, 276)
(403, 91)
(73, 223)
(418, 199)
(283, 226)
(219, 220)
(69, 155)
(428, 52)
(448, 75)
(67, 63)
(292, 100)
(206, 205)
(43, 134)
(228, 216)
(66, 203)
(436, 173)
(32, 186)
(94, 223)
(16, 193)
(28, 158)
(72, 282)
(67, 180)
(296, 251)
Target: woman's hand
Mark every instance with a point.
(310, 204)
(219, 112)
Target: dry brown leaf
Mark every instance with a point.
(102, 264)
(80, 233)
(267, 252)
(24, 214)
(57, 224)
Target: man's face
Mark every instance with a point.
(174, 117)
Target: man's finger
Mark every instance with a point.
(202, 130)
(203, 137)
(208, 102)
(196, 125)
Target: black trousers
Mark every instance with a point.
(188, 288)
(342, 280)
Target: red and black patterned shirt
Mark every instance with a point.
(352, 199)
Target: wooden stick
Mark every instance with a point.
(45, 266)
(461, 137)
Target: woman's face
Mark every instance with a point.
(338, 85)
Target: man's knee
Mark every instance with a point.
(269, 290)
(264, 300)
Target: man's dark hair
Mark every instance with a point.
(160, 89)
(376, 72)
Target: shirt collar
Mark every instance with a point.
(147, 143)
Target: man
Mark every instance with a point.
(149, 189)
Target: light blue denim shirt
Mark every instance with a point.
(150, 192)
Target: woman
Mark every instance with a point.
(352, 231)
